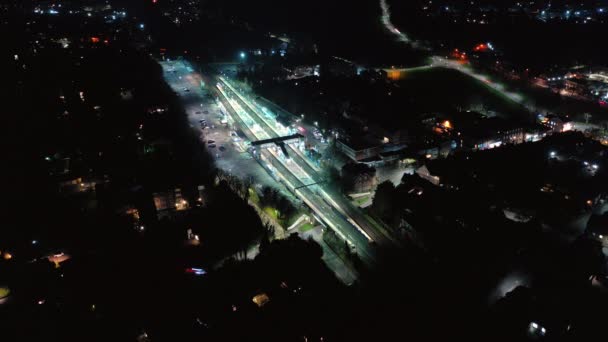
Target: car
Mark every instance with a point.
(211, 141)
(197, 112)
(211, 145)
(202, 120)
(233, 134)
(205, 112)
(222, 148)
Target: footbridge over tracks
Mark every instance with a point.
(278, 141)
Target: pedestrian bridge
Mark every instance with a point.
(278, 141)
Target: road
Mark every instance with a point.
(465, 69)
(386, 21)
(438, 61)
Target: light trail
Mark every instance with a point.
(386, 20)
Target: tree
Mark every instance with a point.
(382, 204)
(587, 117)
(267, 237)
(358, 177)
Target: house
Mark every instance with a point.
(424, 173)
(167, 202)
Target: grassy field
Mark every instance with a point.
(272, 212)
(361, 200)
(440, 89)
(306, 227)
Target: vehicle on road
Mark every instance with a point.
(198, 112)
(211, 145)
(222, 148)
(211, 141)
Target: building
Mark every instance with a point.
(372, 145)
(556, 123)
(493, 133)
(474, 131)
(359, 150)
(575, 87)
(167, 202)
(425, 173)
(374, 152)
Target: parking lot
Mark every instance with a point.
(216, 133)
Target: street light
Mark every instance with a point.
(242, 55)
